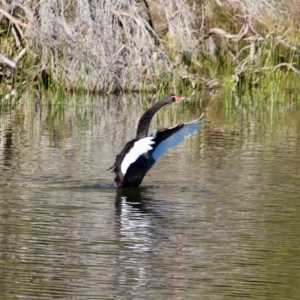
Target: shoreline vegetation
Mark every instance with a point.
(120, 46)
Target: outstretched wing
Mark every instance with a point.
(166, 139)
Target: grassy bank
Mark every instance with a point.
(153, 46)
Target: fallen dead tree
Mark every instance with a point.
(251, 36)
(252, 55)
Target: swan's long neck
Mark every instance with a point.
(144, 122)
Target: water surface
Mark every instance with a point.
(216, 218)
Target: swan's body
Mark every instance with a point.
(139, 154)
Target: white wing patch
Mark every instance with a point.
(139, 147)
(186, 131)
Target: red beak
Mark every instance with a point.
(178, 98)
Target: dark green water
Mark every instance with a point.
(216, 218)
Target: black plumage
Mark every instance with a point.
(139, 154)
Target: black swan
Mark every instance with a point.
(139, 154)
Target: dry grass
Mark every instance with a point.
(106, 45)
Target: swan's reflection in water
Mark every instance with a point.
(135, 221)
(130, 196)
(144, 231)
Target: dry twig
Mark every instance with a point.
(12, 19)
(8, 62)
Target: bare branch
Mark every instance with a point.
(233, 37)
(17, 40)
(286, 44)
(289, 66)
(20, 55)
(12, 19)
(7, 61)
